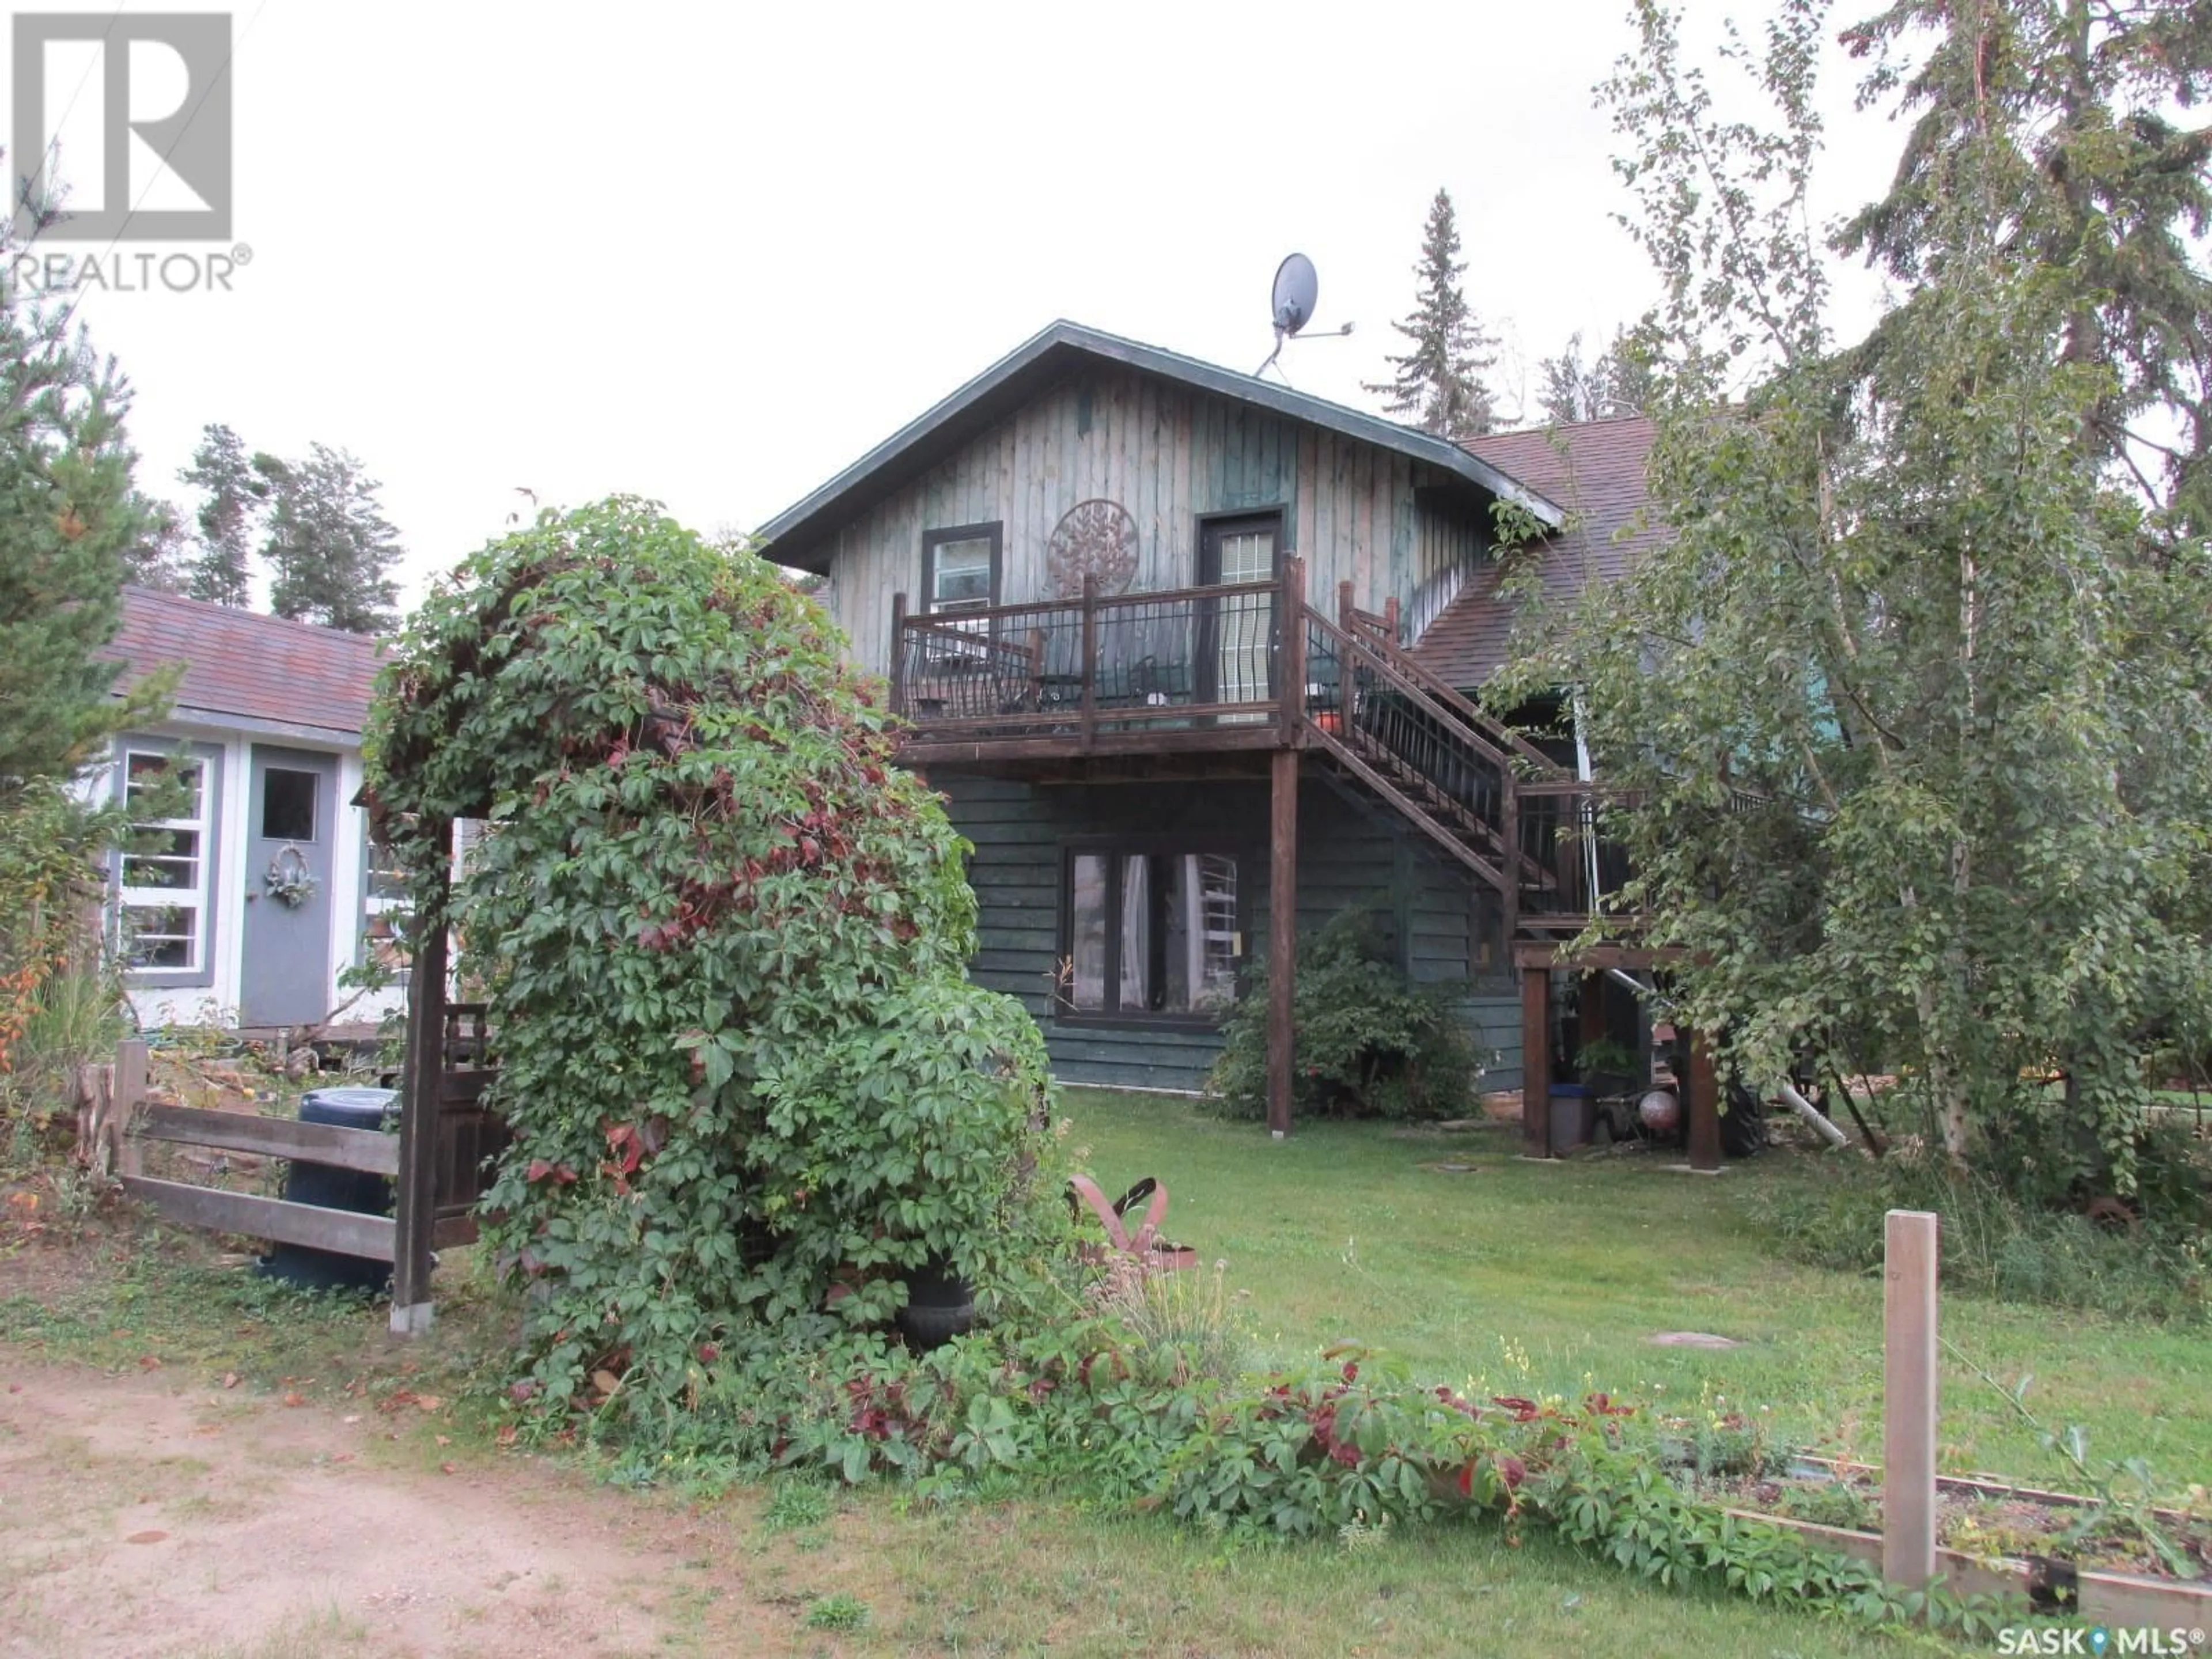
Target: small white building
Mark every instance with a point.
(256, 898)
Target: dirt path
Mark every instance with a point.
(140, 1515)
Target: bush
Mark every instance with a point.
(1369, 1043)
(723, 940)
(2159, 1267)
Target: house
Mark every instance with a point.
(1187, 650)
(251, 901)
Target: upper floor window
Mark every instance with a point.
(163, 908)
(960, 568)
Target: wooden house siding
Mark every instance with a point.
(1170, 455)
(1348, 858)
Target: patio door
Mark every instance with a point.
(285, 947)
(1237, 656)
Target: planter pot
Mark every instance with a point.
(939, 1306)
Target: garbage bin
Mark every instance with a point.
(1574, 1116)
(337, 1189)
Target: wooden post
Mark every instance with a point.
(132, 1068)
(899, 653)
(1345, 610)
(1390, 619)
(1535, 1061)
(1090, 733)
(1282, 939)
(1908, 1399)
(417, 1186)
(1291, 660)
(1702, 1101)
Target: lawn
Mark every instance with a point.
(1555, 1277)
(1516, 1276)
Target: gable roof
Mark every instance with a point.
(239, 666)
(1596, 471)
(796, 536)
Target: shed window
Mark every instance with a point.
(163, 899)
(960, 568)
(1151, 935)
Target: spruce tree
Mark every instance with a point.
(2103, 183)
(232, 493)
(1439, 381)
(330, 549)
(156, 557)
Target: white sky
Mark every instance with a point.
(711, 254)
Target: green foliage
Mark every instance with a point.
(1921, 768)
(1613, 385)
(2069, 115)
(69, 517)
(1369, 1043)
(723, 940)
(841, 1610)
(329, 548)
(1439, 381)
(1996, 1244)
(231, 496)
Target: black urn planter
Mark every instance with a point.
(939, 1306)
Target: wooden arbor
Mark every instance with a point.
(447, 1135)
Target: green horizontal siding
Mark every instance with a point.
(1351, 856)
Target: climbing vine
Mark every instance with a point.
(723, 940)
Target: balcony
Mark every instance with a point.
(1185, 669)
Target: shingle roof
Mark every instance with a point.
(1595, 471)
(245, 666)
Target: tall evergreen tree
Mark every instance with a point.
(1438, 380)
(157, 556)
(231, 495)
(330, 549)
(69, 517)
(1614, 384)
(2100, 180)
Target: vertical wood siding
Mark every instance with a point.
(1168, 455)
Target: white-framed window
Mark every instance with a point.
(960, 568)
(162, 903)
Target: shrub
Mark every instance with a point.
(1369, 1043)
(2158, 1267)
(723, 940)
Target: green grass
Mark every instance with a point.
(1513, 1276)
(1517, 1275)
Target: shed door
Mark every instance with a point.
(291, 813)
(1241, 655)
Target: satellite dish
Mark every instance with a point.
(1296, 288)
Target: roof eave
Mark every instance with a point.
(1282, 400)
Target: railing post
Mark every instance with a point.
(1509, 834)
(899, 653)
(1291, 660)
(1390, 619)
(1090, 735)
(1347, 612)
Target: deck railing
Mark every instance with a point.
(1098, 667)
(1563, 833)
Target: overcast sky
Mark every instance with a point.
(711, 253)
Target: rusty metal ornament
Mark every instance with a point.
(1097, 538)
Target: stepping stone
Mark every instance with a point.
(1692, 1340)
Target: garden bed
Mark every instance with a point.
(2068, 1552)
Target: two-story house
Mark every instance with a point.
(1189, 651)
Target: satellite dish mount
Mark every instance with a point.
(1298, 290)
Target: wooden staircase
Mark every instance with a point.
(1452, 770)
